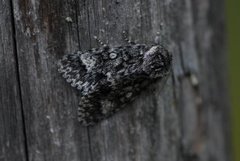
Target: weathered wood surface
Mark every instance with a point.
(186, 119)
(12, 140)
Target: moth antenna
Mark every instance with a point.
(100, 41)
(127, 39)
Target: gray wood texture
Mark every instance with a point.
(12, 139)
(183, 119)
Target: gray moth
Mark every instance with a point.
(108, 78)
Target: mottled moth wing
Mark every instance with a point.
(108, 78)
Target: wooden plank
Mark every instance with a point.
(45, 30)
(12, 139)
(172, 123)
(211, 43)
(203, 97)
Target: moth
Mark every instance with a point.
(108, 78)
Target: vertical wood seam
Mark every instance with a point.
(76, 16)
(179, 154)
(19, 80)
(89, 143)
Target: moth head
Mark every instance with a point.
(156, 62)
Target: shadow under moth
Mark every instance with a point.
(110, 77)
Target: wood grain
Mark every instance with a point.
(12, 137)
(183, 118)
